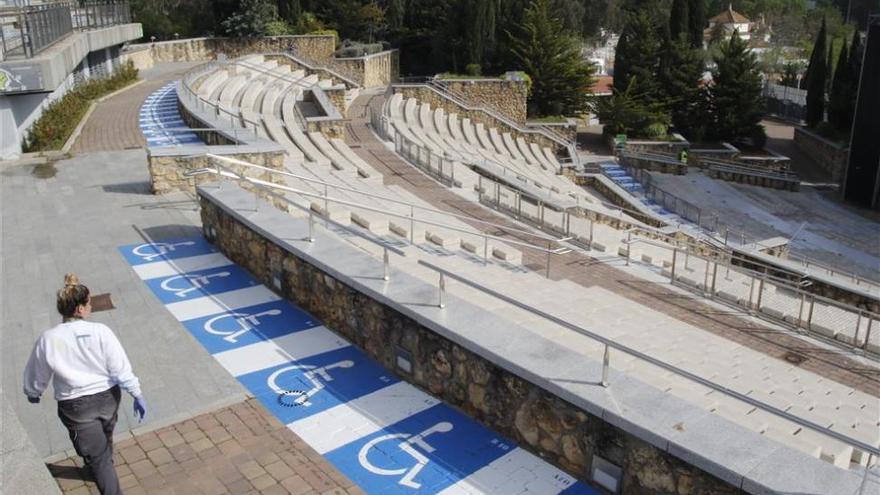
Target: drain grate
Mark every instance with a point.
(794, 358)
(102, 302)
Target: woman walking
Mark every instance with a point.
(87, 365)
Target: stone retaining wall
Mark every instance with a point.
(142, 58)
(319, 48)
(643, 162)
(427, 95)
(167, 168)
(371, 71)
(558, 431)
(509, 98)
(832, 157)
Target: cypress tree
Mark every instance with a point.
(639, 57)
(838, 98)
(696, 22)
(736, 94)
(395, 13)
(829, 67)
(678, 19)
(815, 81)
(680, 72)
(621, 62)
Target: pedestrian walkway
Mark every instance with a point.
(114, 124)
(160, 119)
(384, 434)
(236, 450)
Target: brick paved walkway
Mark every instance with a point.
(114, 123)
(241, 449)
(589, 272)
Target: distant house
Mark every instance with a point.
(722, 26)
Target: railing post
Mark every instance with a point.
(385, 268)
(865, 476)
(311, 226)
(706, 275)
(412, 224)
(606, 359)
(442, 284)
(326, 204)
(760, 294)
(485, 250)
(714, 277)
(810, 313)
(858, 327)
(674, 261)
(868, 333)
(628, 246)
(591, 232)
(801, 309)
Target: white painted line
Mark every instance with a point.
(219, 303)
(513, 471)
(290, 347)
(181, 265)
(345, 423)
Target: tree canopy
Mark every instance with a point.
(561, 78)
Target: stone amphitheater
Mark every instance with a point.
(483, 265)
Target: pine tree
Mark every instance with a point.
(735, 94)
(561, 78)
(678, 20)
(841, 86)
(631, 113)
(815, 81)
(696, 22)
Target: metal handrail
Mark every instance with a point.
(804, 260)
(379, 196)
(610, 343)
(226, 172)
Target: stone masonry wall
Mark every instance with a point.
(372, 71)
(167, 170)
(554, 429)
(508, 98)
(425, 95)
(832, 157)
(318, 48)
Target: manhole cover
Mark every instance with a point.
(794, 358)
(102, 302)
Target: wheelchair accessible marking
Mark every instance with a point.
(383, 433)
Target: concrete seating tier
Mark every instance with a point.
(268, 93)
(766, 379)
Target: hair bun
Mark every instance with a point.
(71, 279)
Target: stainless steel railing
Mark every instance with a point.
(610, 344)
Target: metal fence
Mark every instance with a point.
(28, 30)
(789, 103)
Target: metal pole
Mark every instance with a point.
(858, 327)
(865, 476)
(751, 291)
(485, 250)
(412, 224)
(801, 309)
(628, 246)
(442, 291)
(606, 359)
(591, 233)
(760, 294)
(714, 278)
(810, 314)
(548, 258)
(311, 226)
(674, 259)
(706, 276)
(385, 268)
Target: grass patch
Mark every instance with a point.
(61, 117)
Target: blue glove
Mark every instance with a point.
(140, 408)
(34, 400)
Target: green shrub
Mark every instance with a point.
(473, 69)
(61, 117)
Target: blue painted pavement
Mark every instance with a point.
(384, 434)
(159, 114)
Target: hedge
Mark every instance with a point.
(61, 117)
